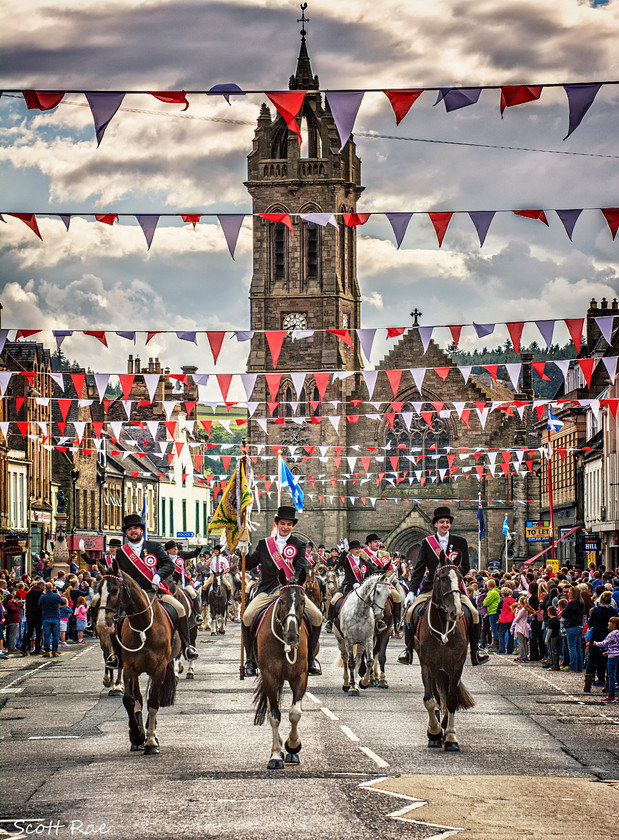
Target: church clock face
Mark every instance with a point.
(294, 321)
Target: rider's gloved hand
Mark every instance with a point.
(155, 582)
(356, 585)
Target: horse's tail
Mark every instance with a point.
(465, 701)
(261, 702)
(167, 695)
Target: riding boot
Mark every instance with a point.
(314, 669)
(251, 669)
(397, 616)
(196, 610)
(182, 626)
(477, 658)
(406, 657)
(331, 616)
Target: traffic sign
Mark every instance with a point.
(184, 535)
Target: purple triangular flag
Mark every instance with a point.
(244, 335)
(580, 99)
(483, 329)
(605, 324)
(569, 219)
(187, 336)
(231, 226)
(546, 329)
(103, 107)
(344, 106)
(226, 90)
(482, 220)
(126, 334)
(399, 223)
(60, 336)
(455, 98)
(66, 219)
(610, 363)
(148, 223)
(3, 335)
(322, 219)
(2, 219)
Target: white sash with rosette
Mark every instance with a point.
(358, 571)
(179, 564)
(283, 560)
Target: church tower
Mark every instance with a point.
(303, 280)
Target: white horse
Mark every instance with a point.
(355, 633)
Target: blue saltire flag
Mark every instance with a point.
(286, 478)
(481, 524)
(554, 424)
(506, 528)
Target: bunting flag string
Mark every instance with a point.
(343, 104)
(231, 223)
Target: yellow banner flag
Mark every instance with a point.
(231, 511)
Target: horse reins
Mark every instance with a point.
(443, 636)
(291, 614)
(142, 633)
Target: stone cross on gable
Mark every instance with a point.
(416, 314)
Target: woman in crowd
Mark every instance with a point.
(599, 617)
(573, 619)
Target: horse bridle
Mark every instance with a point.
(291, 614)
(372, 603)
(443, 636)
(141, 633)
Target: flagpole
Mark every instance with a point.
(242, 463)
(506, 532)
(479, 537)
(550, 499)
(279, 478)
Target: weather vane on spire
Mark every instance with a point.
(303, 19)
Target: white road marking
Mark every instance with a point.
(569, 696)
(11, 690)
(29, 674)
(349, 733)
(375, 758)
(313, 697)
(51, 737)
(328, 713)
(447, 830)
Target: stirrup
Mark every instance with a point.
(380, 626)
(250, 668)
(191, 653)
(405, 657)
(479, 658)
(314, 669)
(112, 661)
(329, 626)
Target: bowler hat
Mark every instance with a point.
(441, 513)
(354, 544)
(286, 512)
(371, 537)
(114, 542)
(170, 544)
(132, 519)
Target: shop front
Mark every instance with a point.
(13, 548)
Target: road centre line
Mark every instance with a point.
(328, 713)
(375, 758)
(349, 733)
(313, 698)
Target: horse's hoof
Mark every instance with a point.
(382, 684)
(353, 692)
(275, 764)
(373, 684)
(435, 743)
(361, 685)
(137, 747)
(451, 746)
(292, 758)
(153, 749)
(114, 692)
(345, 688)
(213, 632)
(107, 682)
(189, 675)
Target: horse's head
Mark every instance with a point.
(447, 590)
(382, 591)
(289, 613)
(111, 590)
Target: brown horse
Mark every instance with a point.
(281, 644)
(149, 646)
(442, 645)
(312, 588)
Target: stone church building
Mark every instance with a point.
(308, 281)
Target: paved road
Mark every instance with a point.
(537, 755)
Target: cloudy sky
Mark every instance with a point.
(155, 158)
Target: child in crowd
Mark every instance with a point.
(81, 616)
(565, 654)
(65, 614)
(553, 639)
(611, 643)
(520, 627)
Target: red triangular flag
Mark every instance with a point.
(194, 218)
(126, 383)
(25, 333)
(284, 218)
(189, 406)
(518, 95)
(427, 416)
(394, 332)
(539, 369)
(28, 219)
(106, 218)
(97, 426)
(443, 372)
(344, 335)
(272, 406)
(455, 331)
(586, 365)
(39, 101)
(394, 377)
(322, 380)
(224, 380)
(215, 340)
(514, 328)
(390, 417)
(98, 334)
(207, 426)
(574, 326)
(78, 383)
(273, 381)
(355, 219)
(440, 222)
(171, 96)
(288, 104)
(170, 426)
(23, 426)
(225, 460)
(532, 214)
(64, 406)
(492, 370)
(611, 214)
(151, 334)
(275, 339)
(402, 101)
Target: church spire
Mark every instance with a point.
(303, 79)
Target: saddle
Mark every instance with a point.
(260, 617)
(170, 612)
(421, 608)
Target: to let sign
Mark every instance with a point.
(538, 531)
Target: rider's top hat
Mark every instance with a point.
(114, 542)
(371, 537)
(286, 512)
(170, 544)
(132, 519)
(354, 544)
(441, 513)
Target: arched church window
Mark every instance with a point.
(311, 256)
(287, 400)
(303, 402)
(310, 135)
(427, 445)
(278, 248)
(342, 246)
(316, 401)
